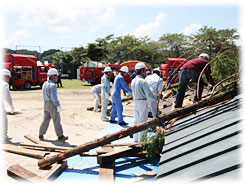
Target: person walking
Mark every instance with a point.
(52, 107)
(59, 82)
(192, 70)
(6, 75)
(105, 92)
(141, 94)
(155, 83)
(96, 91)
(117, 107)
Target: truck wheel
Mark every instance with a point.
(89, 75)
(27, 85)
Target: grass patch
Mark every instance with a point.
(74, 84)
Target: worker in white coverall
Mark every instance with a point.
(96, 91)
(6, 75)
(117, 107)
(105, 92)
(155, 84)
(52, 107)
(141, 94)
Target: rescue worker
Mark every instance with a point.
(155, 83)
(6, 75)
(191, 70)
(117, 107)
(96, 90)
(141, 94)
(105, 92)
(52, 107)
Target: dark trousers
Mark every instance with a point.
(185, 76)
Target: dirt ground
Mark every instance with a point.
(78, 124)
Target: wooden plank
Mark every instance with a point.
(148, 175)
(49, 147)
(20, 173)
(22, 151)
(139, 154)
(123, 144)
(106, 172)
(32, 139)
(113, 155)
(227, 95)
(56, 170)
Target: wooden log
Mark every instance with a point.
(142, 177)
(49, 147)
(113, 155)
(106, 172)
(109, 103)
(20, 173)
(137, 128)
(22, 151)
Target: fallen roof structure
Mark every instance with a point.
(204, 146)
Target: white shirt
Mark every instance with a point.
(155, 83)
(96, 89)
(6, 94)
(141, 90)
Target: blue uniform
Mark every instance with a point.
(117, 107)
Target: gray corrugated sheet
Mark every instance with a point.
(204, 146)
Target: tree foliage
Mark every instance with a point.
(219, 44)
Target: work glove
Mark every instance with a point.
(12, 109)
(107, 96)
(59, 109)
(210, 87)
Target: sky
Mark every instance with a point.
(50, 24)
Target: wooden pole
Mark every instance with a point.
(137, 128)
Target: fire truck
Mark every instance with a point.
(93, 71)
(26, 70)
(168, 68)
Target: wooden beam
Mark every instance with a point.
(22, 151)
(20, 173)
(106, 172)
(109, 103)
(142, 177)
(32, 139)
(139, 154)
(56, 170)
(113, 155)
(123, 144)
(49, 147)
(138, 128)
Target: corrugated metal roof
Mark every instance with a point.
(205, 145)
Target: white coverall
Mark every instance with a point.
(141, 94)
(155, 84)
(105, 92)
(96, 90)
(6, 96)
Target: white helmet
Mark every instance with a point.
(139, 65)
(6, 72)
(204, 56)
(52, 71)
(107, 69)
(124, 69)
(157, 69)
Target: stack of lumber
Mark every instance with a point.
(37, 150)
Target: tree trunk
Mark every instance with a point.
(137, 128)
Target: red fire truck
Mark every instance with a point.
(172, 64)
(26, 70)
(93, 71)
